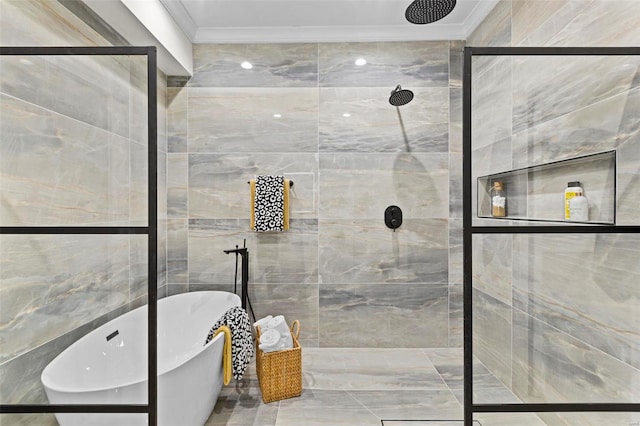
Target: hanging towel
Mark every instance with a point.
(227, 360)
(238, 322)
(269, 203)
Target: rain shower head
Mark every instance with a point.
(400, 96)
(428, 11)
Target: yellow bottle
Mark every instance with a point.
(573, 190)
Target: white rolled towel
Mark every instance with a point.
(271, 341)
(280, 324)
(262, 322)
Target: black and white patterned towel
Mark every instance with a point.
(238, 322)
(269, 203)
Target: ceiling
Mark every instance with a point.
(278, 21)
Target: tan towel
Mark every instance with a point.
(287, 186)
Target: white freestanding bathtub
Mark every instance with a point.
(95, 370)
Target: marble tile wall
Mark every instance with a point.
(350, 154)
(74, 152)
(563, 302)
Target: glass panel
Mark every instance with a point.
(533, 110)
(54, 289)
(556, 318)
(74, 137)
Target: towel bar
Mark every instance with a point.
(290, 183)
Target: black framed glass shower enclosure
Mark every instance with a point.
(72, 233)
(550, 299)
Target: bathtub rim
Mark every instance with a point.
(46, 381)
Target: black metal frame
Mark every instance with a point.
(469, 230)
(151, 230)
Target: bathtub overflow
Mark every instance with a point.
(112, 335)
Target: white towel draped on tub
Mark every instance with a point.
(269, 203)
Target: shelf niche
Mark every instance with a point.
(536, 193)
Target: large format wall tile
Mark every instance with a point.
(45, 22)
(597, 127)
(628, 184)
(367, 252)
(496, 28)
(218, 183)
(576, 23)
(528, 16)
(177, 185)
(364, 185)
(374, 125)
(492, 326)
(52, 284)
(275, 258)
(409, 64)
(551, 366)
(177, 119)
(96, 88)
(138, 100)
(491, 100)
(584, 285)
(294, 301)
(253, 120)
(383, 315)
(547, 87)
(492, 266)
(59, 171)
(274, 65)
(177, 251)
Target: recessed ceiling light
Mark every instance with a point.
(361, 61)
(346, 114)
(277, 115)
(246, 65)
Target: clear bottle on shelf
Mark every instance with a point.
(498, 200)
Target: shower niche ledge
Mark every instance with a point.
(536, 193)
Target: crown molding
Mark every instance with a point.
(328, 34)
(182, 17)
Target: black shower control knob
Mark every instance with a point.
(393, 217)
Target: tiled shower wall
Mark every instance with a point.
(308, 112)
(73, 152)
(557, 317)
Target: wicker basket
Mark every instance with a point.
(280, 372)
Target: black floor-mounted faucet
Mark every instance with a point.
(244, 290)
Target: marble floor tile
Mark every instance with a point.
(325, 407)
(509, 419)
(364, 386)
(411, 404)
(369, 369)
(448, 363)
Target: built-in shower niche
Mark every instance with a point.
(536, 193)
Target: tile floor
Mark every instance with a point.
(388, 387)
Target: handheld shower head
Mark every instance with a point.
(400, 96)
(428, 11)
